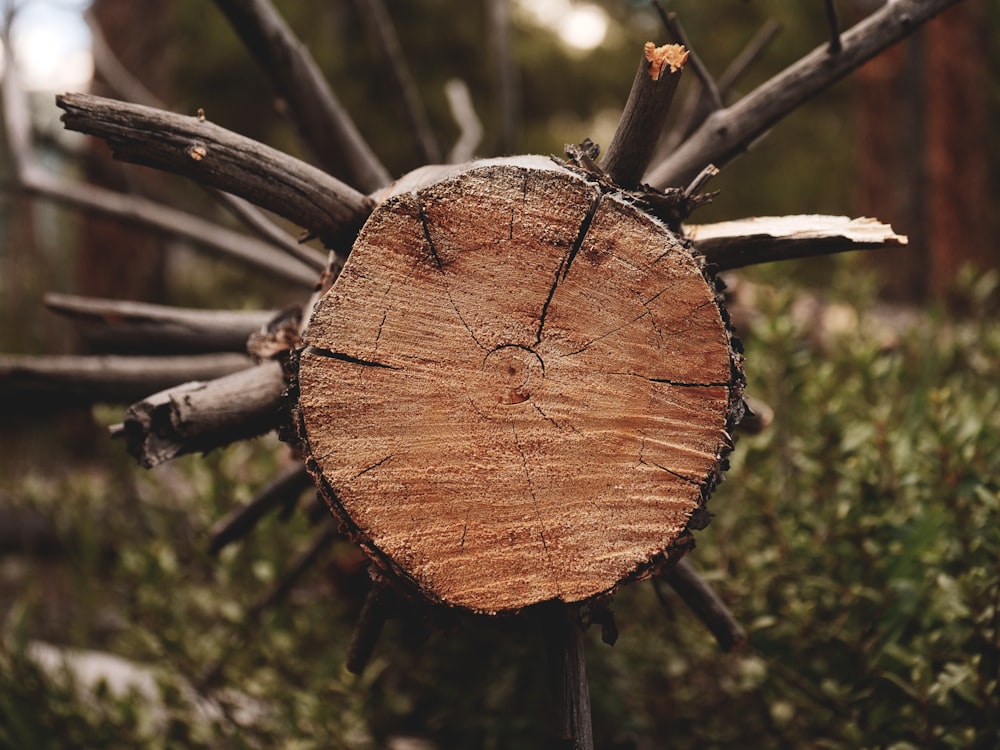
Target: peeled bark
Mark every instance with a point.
(519, 389)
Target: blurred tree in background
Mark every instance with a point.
(856, 538)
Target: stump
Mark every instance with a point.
(521, 388)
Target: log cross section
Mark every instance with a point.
(519, 389)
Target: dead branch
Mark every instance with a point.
(121, 80)
(242, 519)
(642, 121)
(763, 239)
(117, 325)
(696, 107)
(673, 25)
(706, 604)
(202, 234)
(29, 382)
(568, 675)
(321, 120)
(203, 415)
(220, 158)
(367, 630)
(209, 678)
(833, 21)
(381, 27)
(728, 132)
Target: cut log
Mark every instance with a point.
(520, 389)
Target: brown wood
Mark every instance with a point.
(519, 389)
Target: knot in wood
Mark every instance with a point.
(519, 389)
(508, 376)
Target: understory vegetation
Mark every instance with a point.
(857, 538)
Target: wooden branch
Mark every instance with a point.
(728, 132)
(371, 620)
(753, 49)
(380, 26)
(118, 325)
(568, 676)
(763, 239)
(673, 25)
(834, 22)
(121, 80)
(642, 121)
(200, 416)
(321, 120)
(214, 156)
(30, 383)
(211, 675)
(706, 604)
(242, 519)
(255, 220)
(696, 108)
(203, 235)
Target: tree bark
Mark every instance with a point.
(519, 389)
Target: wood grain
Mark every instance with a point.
(519, 388)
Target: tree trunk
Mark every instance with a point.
(520, 388)
(922, 126)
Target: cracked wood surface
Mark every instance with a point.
(519, 389)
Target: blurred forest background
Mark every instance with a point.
(857, 537)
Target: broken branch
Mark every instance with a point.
(642, 121)
(763, 239)
(200, 416)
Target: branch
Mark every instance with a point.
(834, 22)
(706, 604)
(200, 416)
(214, 156)
(121, 80)
(279, 591)
(673, 25)
(29, 383)
(641, 123)
(321, 120)
(380, 26)
(242, 519)
(140, 211)
(568, 675)
(763, 239)
(368, 628)
(728, 132)
(116, 325)
(696, 108)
